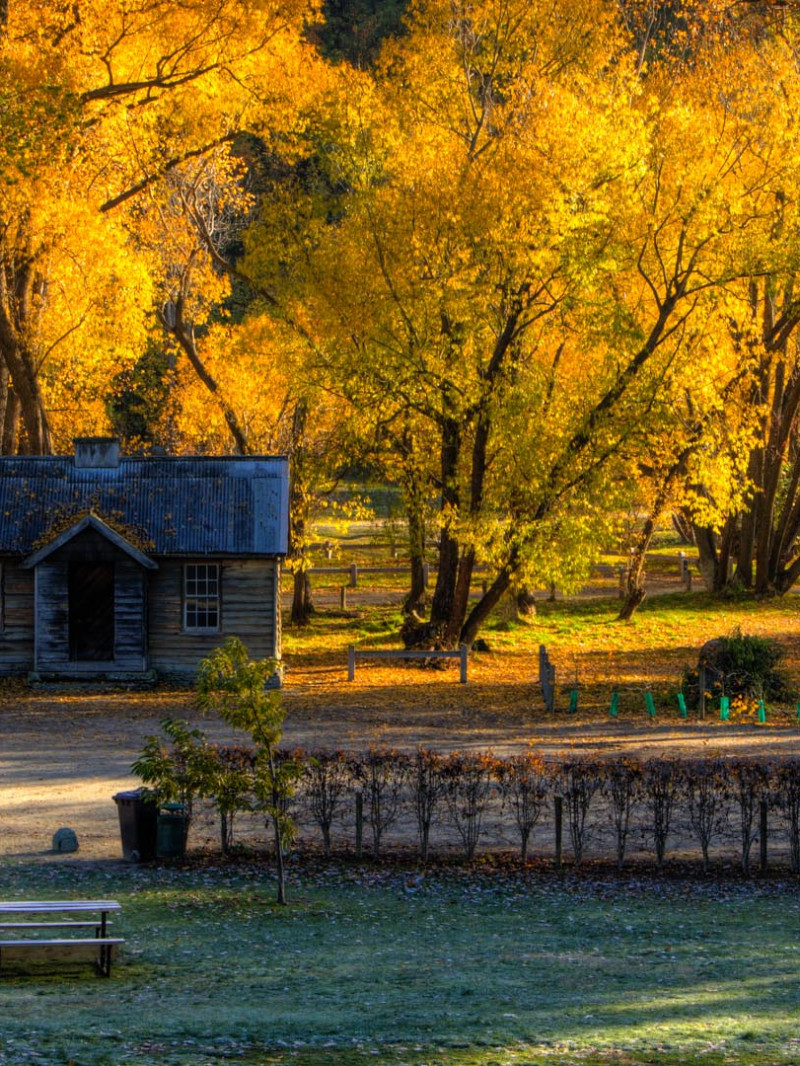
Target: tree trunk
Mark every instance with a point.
(476, 498)
(713, 568)
(635, 591)
(683, 527)
(526, 603)
(9, 414)
(302, 603)
(444, 592)
(299, 514)
(415, 511)
(486, 604)
(19, 284)
(27, 409)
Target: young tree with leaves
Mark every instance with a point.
(235, 686)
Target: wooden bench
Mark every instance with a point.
(52, 915)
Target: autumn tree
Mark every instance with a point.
(101, 102)
(515, 257)
(757, 541)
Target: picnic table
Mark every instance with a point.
(36, 917)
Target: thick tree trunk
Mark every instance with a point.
(18, 280)
(444, 592)
(415, 512)
(707, 557)
(9, 414)
(487, 603)
(302, 605)
(466, 566)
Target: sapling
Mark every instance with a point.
(707, 785)
(173, 774)
(623, 784)
(428, 782)
(327, 777)
(235, 686)
(381, 773)
(524, 785)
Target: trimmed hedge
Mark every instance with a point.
(610, 797)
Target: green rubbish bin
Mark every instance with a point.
(172, 827)
(138, 816)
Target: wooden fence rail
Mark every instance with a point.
(354, 654)
(353, 570)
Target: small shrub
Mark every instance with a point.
(741, 666)
(470, 780)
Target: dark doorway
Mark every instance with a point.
(91, 612)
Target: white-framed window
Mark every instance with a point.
(201, 601)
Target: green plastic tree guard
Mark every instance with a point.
(614, 709)
(762, 712)
(724, 709)
(682, 705)
(573, 701)
(650, 702)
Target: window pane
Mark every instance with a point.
(201, 596)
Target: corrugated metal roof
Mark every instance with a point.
(198, 506)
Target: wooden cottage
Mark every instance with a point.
(133, 568)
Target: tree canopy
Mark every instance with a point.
(535, 262)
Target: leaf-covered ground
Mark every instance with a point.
(63, 754)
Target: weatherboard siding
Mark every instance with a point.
(17, 632)
(52, 643)
(247, 610)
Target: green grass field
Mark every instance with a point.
(468, 968)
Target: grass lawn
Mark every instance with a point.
(468, 968)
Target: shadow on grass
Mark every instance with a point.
(504, 969)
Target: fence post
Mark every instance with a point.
(559, 811)
(686, 573)
(359, 822)
(547, 679)
(762, 835)
(464, 651)
(701, 691)
(351, 662)
(551, 687)
(353, 576)
(343, 597)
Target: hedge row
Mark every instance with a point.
(429, 788)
